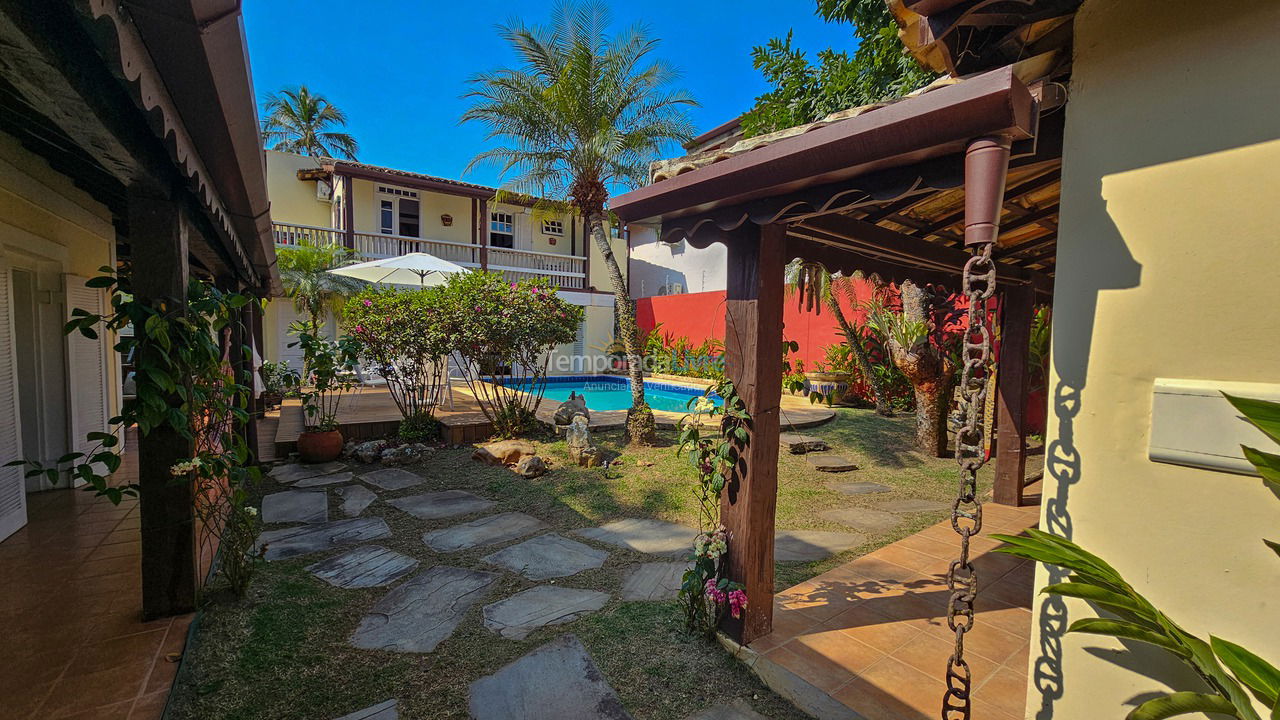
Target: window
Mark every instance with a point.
(398, 212)
(397, 191)
(409, 223)
(552, 227)
(502, 230)
(387, 217)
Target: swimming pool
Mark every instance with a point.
(613, 392)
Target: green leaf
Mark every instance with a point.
(1182, 703)
(1257, 674)
(1102, 596)
(70, 456)
(101, 281)
(1127, 630)
(1275, 546)
(1268, 465)
(1264, 414)
(89, 332)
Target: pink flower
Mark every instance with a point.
(737, 601)
(534, 290)
(368, 303)
(360, 328)
(713, 592)
(513, 286)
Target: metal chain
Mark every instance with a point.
(979, 285)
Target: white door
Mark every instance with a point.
(87, 376)
(13, 496)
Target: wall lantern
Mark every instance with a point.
(446, 220)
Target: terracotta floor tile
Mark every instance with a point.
(930, 654)
(85, 692)
(1009, 618)
(990, 642)
(24, 702)
(110, 566)
(911, 559)
(995, 565)
(882, 570)
(790, 623)
(1010, 592)
(852, 655)
(822, 597)
(811, 667)
(1005, 689)
(893, 689)
(872, 628)
(124, 650)
(989, 711)
(115, 711)
(149, 707)
(930, 546)
(119, 549)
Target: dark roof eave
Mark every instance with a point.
(918, 128)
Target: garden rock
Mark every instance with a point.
(831, 463)
(654, 581)
(295, 506)
(548, 556)
(393, 479)
(436, 505)
(797, 444)
(504, 452)
(558, 681)
(370, 451)
(571, 408)
(647, 536)
(355, 498)
(485, 531)
(578, 440)
(913, 505)
(522, 613)
(364, 567)
(297, 471)
(388, 710)
(404, 454)
(531, 466)
(737, 710)
(423, 611)
(322, 480)
(860, 488)
(290, 542)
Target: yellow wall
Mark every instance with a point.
(1167, 267)
(294, 200)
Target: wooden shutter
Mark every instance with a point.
(13, 496)
(86, 368)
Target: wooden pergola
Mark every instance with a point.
(897, 190)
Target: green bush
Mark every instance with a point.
(404, 339)
(420, 428)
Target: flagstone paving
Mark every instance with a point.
(810, 545)
(304, 539)
(647, 536)
(736, 710)
(913, 505)
(830, 463)
(864, 519)
(522, 613)
(292, 506)
(355, 498)
(393, 479)
(423, 611)
(485, 531)
(558, 681)
(363, 567)
(860, 488)
(653, 581)
(388, 710)
(548, 556)
(297, 471)
(436, 505)
(798, 444)
(322, 480)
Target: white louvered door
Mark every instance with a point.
(87, 376)
(13, 496)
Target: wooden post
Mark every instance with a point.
(484, 234)
(1017, 309)
(158, 236)
(348, 213)
(753, 342)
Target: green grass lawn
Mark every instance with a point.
(282, 652)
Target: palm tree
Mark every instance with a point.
(812, 280)
(298, 121)
(582, 115)
(304, 274)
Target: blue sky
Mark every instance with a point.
(399, 67)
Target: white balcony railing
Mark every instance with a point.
(568, 271)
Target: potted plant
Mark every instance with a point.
(330, 367)
(276, 379)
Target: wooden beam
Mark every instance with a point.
(1013, 379)
(1026, 247)
(348, 213)
(848, 260)
(484, 234)
(753, 334)
(159, 233)
(1030, 218)
(1023, 188)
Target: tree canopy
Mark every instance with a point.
(879, 69)
(299, 121)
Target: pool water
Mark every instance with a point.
(611, 392)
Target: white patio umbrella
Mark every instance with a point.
(418, 269)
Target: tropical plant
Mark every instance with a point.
(304, 272)
(402, 337)
(503, 334)
(277, 378)
(1136, 618)
(584, 114)
(299, 121)
(801, 92)
(815, 287)
(330, 375)
(1038, 348)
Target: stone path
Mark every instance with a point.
(830, 463)
(295, 506)
(423, 611)
(548, 556)
(647, 536)
(363, 567)
(298, 471)
(355, 498)
(810, 545)
(860, 488)
(290, 542)
(558, 681)
(388, 710)
(798, 444)
(736, 710)
(485, 531)
(436, 505)
(322, 480)
(864, 519)
(654, 581)
(524, 612)
(913, 505)
(393, 479)
(814, 449)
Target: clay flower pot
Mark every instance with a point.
(317, 447)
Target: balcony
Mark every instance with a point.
(567, 271)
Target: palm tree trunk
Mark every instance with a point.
(641, 428)
(860, 356)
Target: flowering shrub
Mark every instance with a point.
(706, 593)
